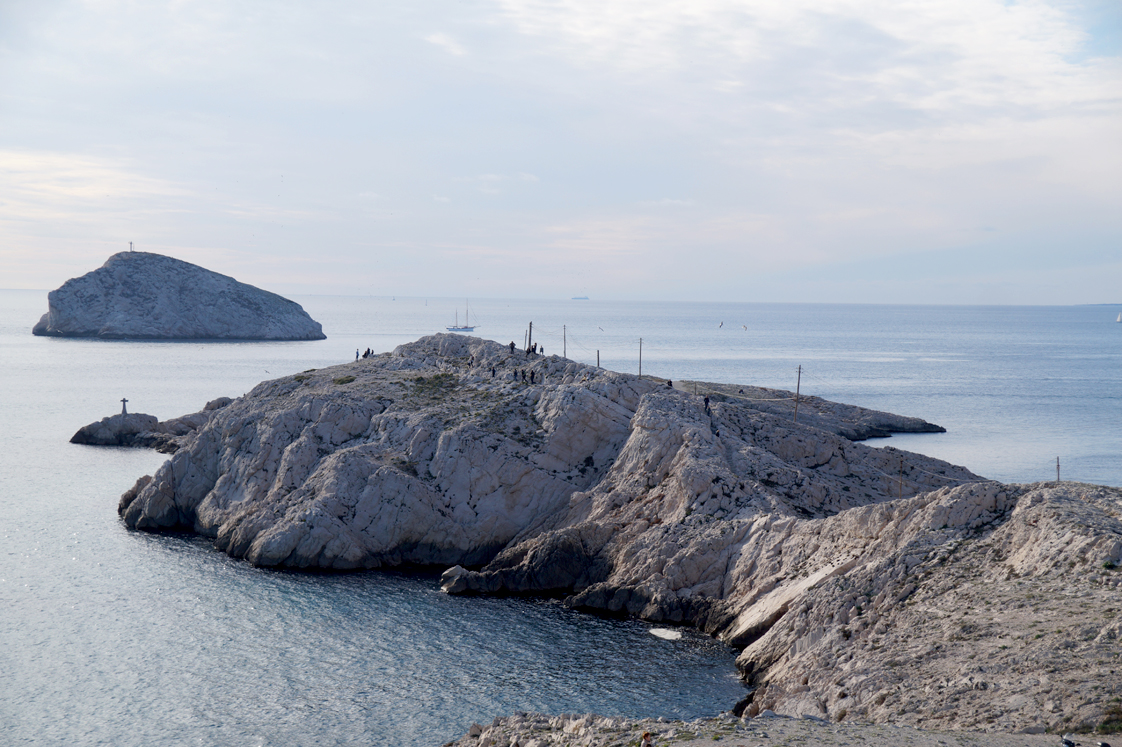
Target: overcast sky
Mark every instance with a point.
(944, 151)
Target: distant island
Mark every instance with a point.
(144, 296)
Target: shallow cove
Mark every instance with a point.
(126, 638)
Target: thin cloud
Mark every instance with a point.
(447, 43)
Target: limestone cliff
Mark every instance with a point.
(839, 568)
(138, 295)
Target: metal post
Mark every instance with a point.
(798, 385)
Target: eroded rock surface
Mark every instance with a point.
(591, 730)
(139, 295)
(861, 583)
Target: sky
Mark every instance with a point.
(857, 151)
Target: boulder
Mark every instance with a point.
(138, 295)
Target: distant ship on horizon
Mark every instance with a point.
(580, 298)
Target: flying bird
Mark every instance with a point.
(720, 325)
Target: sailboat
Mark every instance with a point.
(1119, 319)
(466, 326)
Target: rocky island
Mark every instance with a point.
(860, 584)
(144, 296)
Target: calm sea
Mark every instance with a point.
(120, 638)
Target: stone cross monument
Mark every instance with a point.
(123, 410)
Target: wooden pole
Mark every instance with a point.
(798, 385)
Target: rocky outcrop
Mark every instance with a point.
(138, 295)
(422, 456)
(116, 430)
(591, 730)
(140, 430)
(855, 423)
(843, 571)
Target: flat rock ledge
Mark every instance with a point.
(858, 583)
(144, 296)
(590, 730)
(146, 431)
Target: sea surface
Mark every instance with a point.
(113, 637)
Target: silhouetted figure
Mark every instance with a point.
(669, 384)
(523, 374)
(531, 377)
(492, 372)
(512, 347)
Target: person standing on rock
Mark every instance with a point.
(707, 410)
(356, 354)
(646, 740)
(512, 347)
(531, 377)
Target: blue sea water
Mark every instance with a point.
(123, 638)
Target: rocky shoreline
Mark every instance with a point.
(590, 730)
(861, 584)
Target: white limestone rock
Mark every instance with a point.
(423, 457)
(861, 583)
(138, 295)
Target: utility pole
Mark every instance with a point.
(640, 357)
(798, 386)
